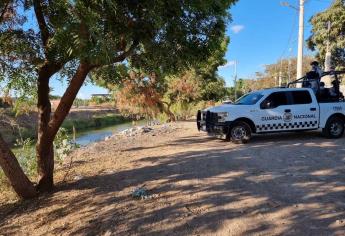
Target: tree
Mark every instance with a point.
(336, 36)
(184, 88)
(142, 94)
(152, 93)
(74, 38)
(214, 90)
(286, 68)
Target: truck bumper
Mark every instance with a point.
(209, 123)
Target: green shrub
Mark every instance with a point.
(26, 155)
(63, 145)
(162, 117)
(95, 122)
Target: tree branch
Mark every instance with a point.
(122, 56)
(41, 22)
(3, 12)
(67, 99)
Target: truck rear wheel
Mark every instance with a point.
(240, 132)
(334, 128)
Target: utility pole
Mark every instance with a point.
(275, 75)
(289, 66)
(235, 80)
(328, 57)
(300, 41)
(280, 73)
(300, 9)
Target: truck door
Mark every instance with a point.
(304, 111)
(274, 113)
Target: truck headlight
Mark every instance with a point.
(222, 116)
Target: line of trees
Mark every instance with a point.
(284, 68)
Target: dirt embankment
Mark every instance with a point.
(278, 184)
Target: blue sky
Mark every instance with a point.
(261, 32)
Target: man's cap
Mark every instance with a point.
(314, 63)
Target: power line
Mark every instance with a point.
(290, 37)
(286, 47)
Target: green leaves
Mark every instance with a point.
(336, 36)
(214, 90)
(169, 37)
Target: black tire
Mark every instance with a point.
(240, 132)
(334, 128)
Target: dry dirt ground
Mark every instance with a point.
(278, 184)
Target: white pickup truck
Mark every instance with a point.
(273, 110)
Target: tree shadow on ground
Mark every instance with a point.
(278, 184)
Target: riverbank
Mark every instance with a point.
(26, 153)
(94, 121)
(174, 180)
(25, 125)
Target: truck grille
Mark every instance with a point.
(211, 117)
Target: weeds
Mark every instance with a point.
(26, 155)
(63, 145)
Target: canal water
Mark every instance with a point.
(90, 136)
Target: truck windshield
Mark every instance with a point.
(249, 99)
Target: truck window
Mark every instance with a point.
(301, 97)
(274, 100)
(249, 99)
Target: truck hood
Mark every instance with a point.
(225, 108)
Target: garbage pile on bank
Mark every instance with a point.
(139, 130)
(135, 131)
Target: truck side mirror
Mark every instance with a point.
(267, 104)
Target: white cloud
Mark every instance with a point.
(236, 28)
(228, 64)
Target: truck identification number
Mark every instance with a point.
(337, 108)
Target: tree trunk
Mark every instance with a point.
(44, 146)
(172, 117)
(19, 181)
(45, 155)
(48, 128)
(167, 111)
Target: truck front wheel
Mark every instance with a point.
(334, 128)
(240, 132)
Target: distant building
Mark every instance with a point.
(101, 95)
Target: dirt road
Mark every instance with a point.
(290, 184)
